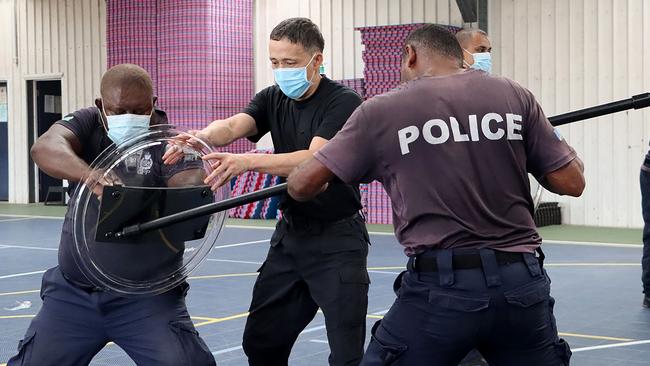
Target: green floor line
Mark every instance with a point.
(555, 232)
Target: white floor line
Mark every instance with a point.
(34, 217)
(15, 219)
(28, 247)
(21, 274)
(614, 345)
(591, 244)
(232, 261)
(226, 350)
(242, 244)
(592, 264)
(313, 329)
(319, 341)
(384, 272)
(249, 227)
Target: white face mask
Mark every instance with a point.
(122, 127)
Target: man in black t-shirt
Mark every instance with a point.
(78, 319)
(318, 250)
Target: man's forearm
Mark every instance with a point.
(277, 164)
(308, 180)
(60, 162)
(219, 134)
(224, 132)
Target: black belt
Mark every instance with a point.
(428, 263)
(298, 220)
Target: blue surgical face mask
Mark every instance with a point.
(122, 127)
(482, 61)
(293, 81)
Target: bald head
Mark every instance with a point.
(126, 76)
(126, 88)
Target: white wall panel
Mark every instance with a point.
(63, 39)
(575, 54)
(337, 20)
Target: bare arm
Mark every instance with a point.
(230, 165)
(218, 133)
(224, 132)
(283, 164)
(568, 180)
(57, 151)
(308, 180)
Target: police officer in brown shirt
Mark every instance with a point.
(453, 149)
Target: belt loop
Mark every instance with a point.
(445, 268)
(533, 264)
(490, 267)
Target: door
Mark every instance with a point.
(4, 141)
(46, 109)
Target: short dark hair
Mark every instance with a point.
(435, 39)
(465, 35)
(301, 31)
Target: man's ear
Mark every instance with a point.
(99, 104)
(411, 56)
(318, 60)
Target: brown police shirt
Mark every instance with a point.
(453, 153)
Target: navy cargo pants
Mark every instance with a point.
(503, 310)
(310, 264)
(75, 323)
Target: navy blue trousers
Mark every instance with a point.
(74, 324)
(506, 312)
(645, 207)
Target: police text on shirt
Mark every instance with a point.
(439, 131)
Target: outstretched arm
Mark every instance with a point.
(228, 165)
(308, 180)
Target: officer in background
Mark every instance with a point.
(645, 206)
(318, 251)
(453, 149)
(78, 319)
(477, 49)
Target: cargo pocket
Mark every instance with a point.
(458, 302)
(563, 351)
(529, 294)
(25, 347)
(384, 349)
(192, 350)
(344, 236)
(353, 294)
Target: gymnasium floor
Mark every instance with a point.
(596, 285)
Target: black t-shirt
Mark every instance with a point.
(144, 168)
(293, 124)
